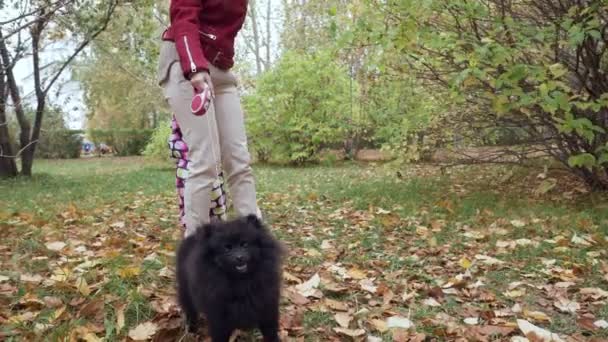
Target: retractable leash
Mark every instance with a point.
(199, 106)
(201, 101)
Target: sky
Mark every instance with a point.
(70, 95)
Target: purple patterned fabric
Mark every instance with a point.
(179, 151)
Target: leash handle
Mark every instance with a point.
(201, 101)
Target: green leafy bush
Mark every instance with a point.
(298, 108)
(157, 146)
(59, 144)
(124, 142)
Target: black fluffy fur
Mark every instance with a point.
(231, 273)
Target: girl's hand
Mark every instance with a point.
(200, 79)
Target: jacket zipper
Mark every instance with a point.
(192, 64)
(208, 35)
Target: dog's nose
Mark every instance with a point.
(240, 258)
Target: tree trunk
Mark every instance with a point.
(8, 167)
(256, 36)
(13, 89)
(268, 34)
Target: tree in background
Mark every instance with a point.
(118, 73)
(37, 25)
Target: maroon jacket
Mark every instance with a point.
(204, 32)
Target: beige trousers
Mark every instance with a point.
(217, 138)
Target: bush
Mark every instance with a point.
(59, 144)
(299, 107)
(124, 142)
(157, 146)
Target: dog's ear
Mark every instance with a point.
(254, 221)
(204, 232)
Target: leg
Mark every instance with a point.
(201, 162)
(269, 325)
(190, 313)
(218, 331)
(270, 331)
(233, 142)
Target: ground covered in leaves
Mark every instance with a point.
(472, 254)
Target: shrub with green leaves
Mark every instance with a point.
(60, 144)
(157, 147)
(539, 68)
(124, 142)
(298, 107)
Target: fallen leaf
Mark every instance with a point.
(343, 319)
(566, 305)
(291, 278)
(431, 302)
(118, 225)
(309, 288)
(336, 305)
(488, 260)
(40, 328)
(465, 263)
(4, 278)
(120, 317)
(399, 322)
(594, 292)
(518, 223)
(129, 272)
(83, 287)
(371, 338)
(602, 324)
(538, 316)
(368, 285)
(537, 334)
(350, 332)
(296, 298)
(379, 325)
(357, 274)
(471, 320)
(582, 241)
(31, 278)
(24, 317)
(515, 293)
(52, 302)
(326, 244)
(55, 246)
(143, 331)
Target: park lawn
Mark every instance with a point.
(87, 248)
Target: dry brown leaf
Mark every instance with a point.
(343, 319)
(356, 274)
(120, 317)
(350, 332)
(83, 287)
(379, 325)
(566, 305)
(55, 246)
(143, 331)
(538, 316)
(52, 302)
(296, 298)
(537, 334)
(336, 305)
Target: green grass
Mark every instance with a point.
(346, 204)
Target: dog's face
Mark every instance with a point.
(235, 246)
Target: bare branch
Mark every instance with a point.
(82, 45)
(18, 154)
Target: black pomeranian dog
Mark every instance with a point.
(231, 273)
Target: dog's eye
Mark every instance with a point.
(244, 244)
(228, 247)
